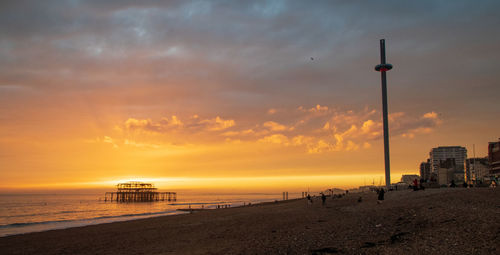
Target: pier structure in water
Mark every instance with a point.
(138, 192)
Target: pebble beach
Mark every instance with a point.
(433, 221)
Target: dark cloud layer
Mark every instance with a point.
(239, 53)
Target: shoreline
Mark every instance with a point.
(20, 227)
(37, 227)
(439, 220)
(67, 224)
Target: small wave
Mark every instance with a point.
(49, 213)
(16, 225)
(207, 203)
(74, 211)
(31, 223)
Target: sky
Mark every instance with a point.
(246, 95)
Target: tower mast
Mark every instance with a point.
(383, 67)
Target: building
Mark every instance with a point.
(367, 188)
(446, 171)
(477, 169)
(494, 157)
(425, 170)
(457, 153)
(408, 178)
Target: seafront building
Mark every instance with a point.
(367, 188)
(425, 170)
(457, 154)
(409, 178)
(446, 171)
(477, 169)
(494, 157)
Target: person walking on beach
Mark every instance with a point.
(381, 194)
(415, 184)
(422, 180)
(309, 199)
(453, 185)
(323, 199)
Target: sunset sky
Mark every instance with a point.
(250, 95)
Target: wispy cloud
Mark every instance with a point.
(174, 124)
(316, 129)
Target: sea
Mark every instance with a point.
(25, 213)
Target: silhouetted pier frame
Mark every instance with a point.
(138, 192)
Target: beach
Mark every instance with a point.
(433, 221)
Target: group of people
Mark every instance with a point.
(323, 197)
(380, 197)
(381, 192)
(418, 185)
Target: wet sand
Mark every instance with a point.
(434, 221)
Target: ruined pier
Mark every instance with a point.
(138, 192)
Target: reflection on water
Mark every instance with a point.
(23, 213)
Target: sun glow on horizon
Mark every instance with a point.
(240, 184)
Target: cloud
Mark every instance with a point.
(430, 115)
(239, 133)
(319, 108)
(276, 139)
(190, 49)
(330, 131)
(140, 145)
(366, 145)
(274, 126)
(107, 139)
(271, 111)
(301, 140)
(409, 127)
(217, 124)
(336, 130)
(144, 57)
(133, 124)
(175, 124)
(162, 125)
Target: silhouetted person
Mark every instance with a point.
(309, 199)
(347, 192)
(415, 185)
(453, 185)
(381, 194)
(323, 199)
(360, 199)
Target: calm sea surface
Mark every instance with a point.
(24, 213)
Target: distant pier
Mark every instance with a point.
(138, 192)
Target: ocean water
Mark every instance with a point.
(24, 213)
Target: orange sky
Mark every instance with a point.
(316, 147)
(282, 97)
